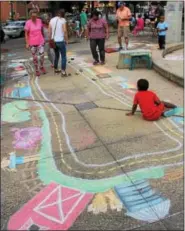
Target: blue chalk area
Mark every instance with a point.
(138, 196)
(175, 111)
(124, 85)
(126, 61)
(20, 160)
(12, 161)
(15, 160)
(178, 120)
(22, 92)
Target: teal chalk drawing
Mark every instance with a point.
(48, 172)
(15, 112)
(126, 61)
(142, 202)
(175, 111)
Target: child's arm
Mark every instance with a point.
(134, 108)
(157, 101)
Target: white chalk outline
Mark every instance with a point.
(58, 202)
(113, 162)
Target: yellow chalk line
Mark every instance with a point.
(177, 134)
(108, 88)
(101, 171)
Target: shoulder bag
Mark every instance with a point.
(52, 43)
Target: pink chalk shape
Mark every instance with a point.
(20, 68)
(68, 192)
(26, 138)
(54, 208)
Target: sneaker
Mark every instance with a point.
(96, 63)
(37, 73)
(102, 62)
(42, 69)
(63, 74)
(120, 48)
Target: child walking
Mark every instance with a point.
(162, 27)
(151, 106)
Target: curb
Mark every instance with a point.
(172, 48)
(168, 75)
(164, 72)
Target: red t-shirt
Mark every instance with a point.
(146, 101)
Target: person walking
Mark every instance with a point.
(58, 33)
(97, 31)
(123, 16)
(83, 22)
(35, 40)
(50, 52)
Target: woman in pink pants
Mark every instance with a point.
(139, 26)
(35, 41)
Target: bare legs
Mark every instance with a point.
(126, 42)
(168, 106)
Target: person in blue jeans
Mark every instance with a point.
(58, 32)
(162, 27)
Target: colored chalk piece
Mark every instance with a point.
(54, 208)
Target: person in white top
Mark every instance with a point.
(58, 32)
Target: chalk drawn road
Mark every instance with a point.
(74, 136)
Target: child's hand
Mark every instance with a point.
(129, 114)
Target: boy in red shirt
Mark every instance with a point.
(151, 106)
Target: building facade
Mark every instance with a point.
(17, 8)
(20, 9)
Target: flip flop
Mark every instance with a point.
(173, 112)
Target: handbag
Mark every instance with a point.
(52, 43)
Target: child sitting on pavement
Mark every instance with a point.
(151, 106)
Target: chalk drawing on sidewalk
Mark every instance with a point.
(102, 201)
(142, 202)
(174, 57)
(12, 161)
(31, 225)
(172, 175)
(16, 111)
(55, 207)
(102, 70)
(26, 138)
(48, 173)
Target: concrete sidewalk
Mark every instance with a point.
(88, 144)
(172, 67)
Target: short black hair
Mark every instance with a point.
(95, 13)
(139, 16)
(142, 85)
